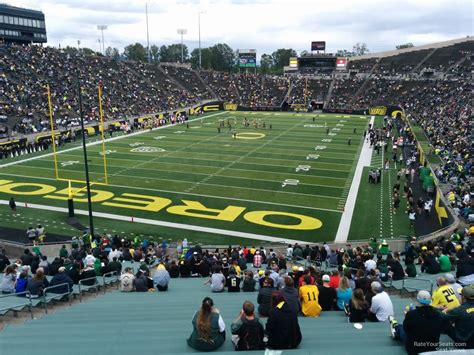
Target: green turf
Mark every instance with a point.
(199, 164)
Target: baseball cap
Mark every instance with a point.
(326, 278)
(468, 292)
(424, 247)
(424, 297)
(294, 268)
(261, 272)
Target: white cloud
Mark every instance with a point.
(262, 24)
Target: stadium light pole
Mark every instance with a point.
(199, 34)
(182, 32)
(147, 35)
(102, 28)
(86, 165)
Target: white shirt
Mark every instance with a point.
(382, 306)
(370, 264)
(115, 254)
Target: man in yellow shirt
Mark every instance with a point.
(444, 296)
(309, 294)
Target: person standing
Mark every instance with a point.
(12, 205)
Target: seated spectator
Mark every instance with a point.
(291, 294)
(37, 284)
(127, 280)
(444, 263)
(173, 269)
(410, 268)
(248, 284)
(142, 283)
(233, 281)
(112, 266)
(382, 306)
(282, 326)
(4, 261)
(247, 331)
(88, 275)
(35, 264)
(334, 279)
(26, 258)
(343, 293)
(217, 280)
(208, 328)
(396, 269)
(257, 260)
(309, 298)
(465, 268)
(444, 296)
(72, 270)
(264, 298)
(161, 278)
(430, 264)
(327, 294)
(357, 307)
(44, 263)
(61, 278)
(421, 328)
(55, 265)
(22, 280)
(451, 280)
(8, 280)
(460, 320)
(63, 253)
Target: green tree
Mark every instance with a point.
(360, 49)
(344, 53)
(154, 53)
(87, 51)
(405, 45)
(112, 53)
(135, 52)
(172, 53)
(281, 57)
(218, 57)
(266, 64)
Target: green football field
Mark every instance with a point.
(288, 180)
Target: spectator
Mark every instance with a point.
(264, 297)
(208, 328)
(430, 264)
(465, 269)
(460, 320)
(112, 266)
(444, 296)
(127, 280)
(249, 282)
(161, 278)
(382, 306)
(309, 294)
(357, 307)
(444, 263)
(450, 279)
(88, 276)
(343, 293)
(27, 257)
(327, 295)
(44, 263)
(4, 261)
(61, 278)
(22, 280)
(257, 260)
(282, 326)
(37, 284)
(8, 280)
(396, 269)
(233, 281)
(247, 331)
(291, 294)
(217, 280)
(63, 253)
(334, 279)
(141, 280)
(421, 328)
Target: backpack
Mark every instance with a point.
(251, 336)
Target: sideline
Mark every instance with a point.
(190, 227)
(105, 140)
(346, 218)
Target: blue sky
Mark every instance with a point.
(261, 24)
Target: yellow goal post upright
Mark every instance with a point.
(72, 191)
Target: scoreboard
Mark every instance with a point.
(317, 62)
(247, 58)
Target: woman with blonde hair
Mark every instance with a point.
(208, 328)
(344, 293)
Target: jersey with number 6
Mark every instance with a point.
(445, 296)
(309, 300)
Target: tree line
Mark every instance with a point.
(220, 57)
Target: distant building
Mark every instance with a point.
(18, 25)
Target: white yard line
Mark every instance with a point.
(190, 227)
(346, 219)
(193, 194)
(100, 141)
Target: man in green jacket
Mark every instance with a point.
(460, 320)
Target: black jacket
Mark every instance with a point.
(61, 278)
(264, 300)
(465, 266)
(397, 269)
(283, 328)
(4, 262)
(423, 327)
(292, 298)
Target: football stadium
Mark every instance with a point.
(196, 196)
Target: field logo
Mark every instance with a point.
(188, 208)
(326, 140)
(229, 106)
(147, 150)
(303, 168)
(312, 156)
(249, 135)
(292, 182)
(320, 147)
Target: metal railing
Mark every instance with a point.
(110, 274)
(57, 295)
(95, 285)
(26, 294)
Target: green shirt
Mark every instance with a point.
(444, 263)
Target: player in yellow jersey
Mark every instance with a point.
(444, 296)
(309, 294)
